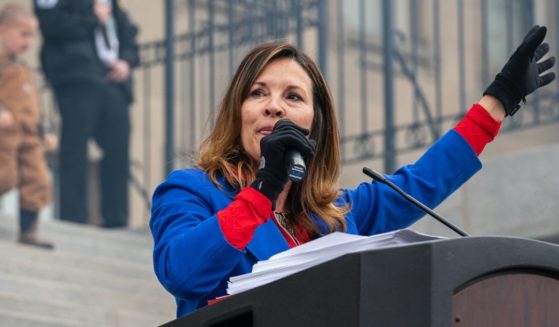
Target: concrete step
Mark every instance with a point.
(33, 313)
(57, 267)
(17, 312)
(94, 277)
(77, 261)
(125, 245)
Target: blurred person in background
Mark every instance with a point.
(88, 52)
(22, 140)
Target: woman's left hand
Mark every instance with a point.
(271, 176)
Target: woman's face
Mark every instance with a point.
(283, 90)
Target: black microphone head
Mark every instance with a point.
(374, 175)
(297, 168)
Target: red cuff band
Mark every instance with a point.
(478, 128)
(240, 219)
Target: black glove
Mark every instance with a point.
(272, 173)
(521, 75)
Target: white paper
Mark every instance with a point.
(316, 252)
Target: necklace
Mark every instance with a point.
(286, 225)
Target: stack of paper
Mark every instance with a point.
(318, 251)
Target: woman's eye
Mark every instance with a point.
(295, 97)
(257, 93)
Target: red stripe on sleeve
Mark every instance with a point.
(478, 128)
(240, 219)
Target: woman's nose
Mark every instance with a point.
(274, 109)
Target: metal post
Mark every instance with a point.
(527, 23)
(341, 72)
(169, 85)
(461, 57)
(362, 21)
(484, 44)
(556, 35)
(232, 28)
(437, 127)
(211, 56)
(388, 50)
(298, 12)
(323, 36)
(192, 85)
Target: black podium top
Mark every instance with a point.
(409, 285)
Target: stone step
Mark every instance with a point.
(79, 261)
(94, 277)
(21, 312)
(7, 318)
(114, 309)
(33, 313)
(59, 268)
(137, 235)
(61, 293)
(129, 246)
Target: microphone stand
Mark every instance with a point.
(380, 178)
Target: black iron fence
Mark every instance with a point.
(402, 72)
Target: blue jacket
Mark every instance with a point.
(194, 261)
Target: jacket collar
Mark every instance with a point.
(268, 240)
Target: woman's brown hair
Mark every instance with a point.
(221, 153)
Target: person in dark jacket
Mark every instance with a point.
(89, 48)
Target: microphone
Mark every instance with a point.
(380, 178)
(296, 168)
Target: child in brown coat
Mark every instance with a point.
(22, 151)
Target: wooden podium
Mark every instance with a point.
(475, 281)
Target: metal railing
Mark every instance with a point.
(402, 72)
(389, 50)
